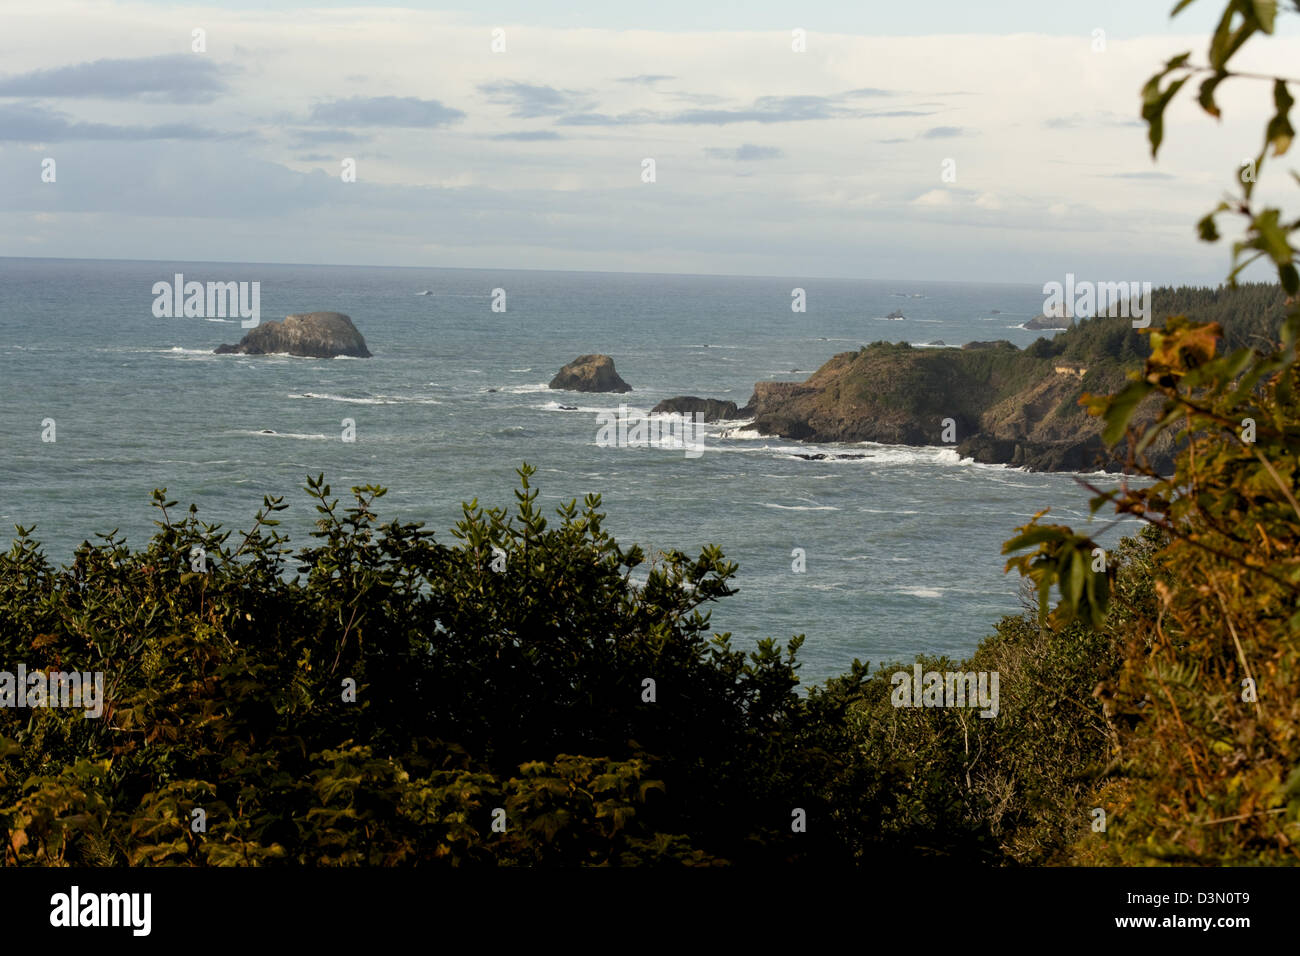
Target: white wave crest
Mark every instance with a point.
(523, 389)
(268, 433)
(377, 400)
(767, 504)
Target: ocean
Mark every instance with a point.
(902, 547)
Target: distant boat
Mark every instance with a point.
(917, 295)
(896, 314)
(425, 292)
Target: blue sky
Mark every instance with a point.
(940, 140)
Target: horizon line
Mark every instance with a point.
(695, 275)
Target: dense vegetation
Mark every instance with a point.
(476, 689)
(520, 696)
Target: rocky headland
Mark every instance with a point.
(1007, 405)
(993, 402)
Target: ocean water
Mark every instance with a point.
(902, 547)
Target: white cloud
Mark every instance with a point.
(935, 197)
(1041, 139)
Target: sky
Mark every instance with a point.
(941, 140)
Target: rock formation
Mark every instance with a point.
(1049, 322)
(590, 373)
(312, 334)
(713, 409)
(991, 401)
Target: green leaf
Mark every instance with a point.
(1272, 237)
(1120, 409)
(1228, 41)
(1280, 132)
(1035, 535)
(1074, 580)
(1265, 13)
(1290, 278)
(1206, 97)
(1207, 228)
(1153, 106)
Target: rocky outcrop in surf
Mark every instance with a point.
(311, 334)
(1045, 322)
(712, 409)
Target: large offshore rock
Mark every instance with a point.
(590, 373)
(311, 334)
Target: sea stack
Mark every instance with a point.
(1049, 323)
(590, 373)
(310, 334)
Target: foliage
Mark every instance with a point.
(482, 689)
(475, 688)
(1207, 754)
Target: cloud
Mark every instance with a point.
(765, 109)
(530, 101)
(1103, 118)
(183, 78)
(746, 152)
(33, 124)
(487, 167)
(1151, 174)
(604, 119)
(645, 78)
(935, 197)
(313, 137)
(944, 132)
(528, 136)
(697, 98)
(403, 111)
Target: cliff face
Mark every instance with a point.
(886, 393)
(1007, 405)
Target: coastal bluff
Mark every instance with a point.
(995, 403)
(991, 402)
(310, 335)
(998, 404)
